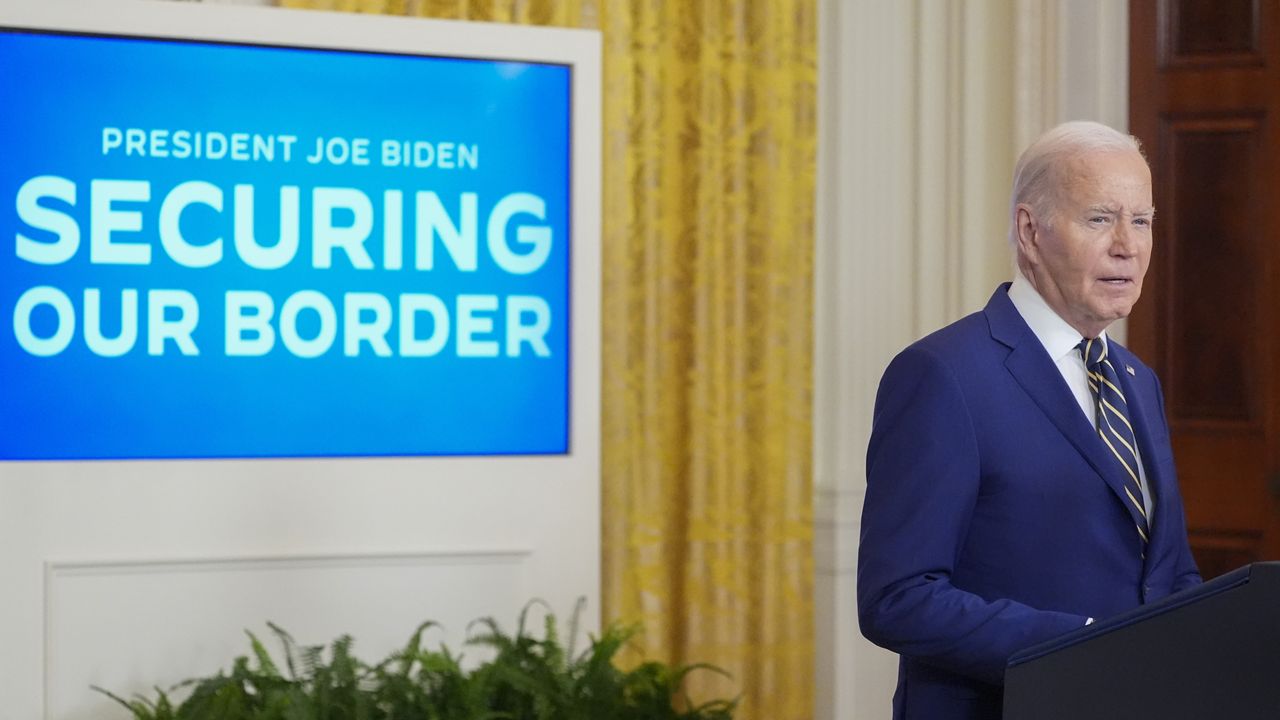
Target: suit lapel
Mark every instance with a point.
(1034, 370)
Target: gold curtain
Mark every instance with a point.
(709, 135)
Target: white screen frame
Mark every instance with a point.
(120, 520)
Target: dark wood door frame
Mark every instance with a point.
(1204, 98)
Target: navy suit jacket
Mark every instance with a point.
(995, 516)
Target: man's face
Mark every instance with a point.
(1089, 259)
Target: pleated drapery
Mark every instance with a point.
(709, 167)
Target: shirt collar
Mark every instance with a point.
(1055, 334)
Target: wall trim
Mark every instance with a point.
(120, 567)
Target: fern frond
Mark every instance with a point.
(578, 608)
(265, 663)
(287, 642)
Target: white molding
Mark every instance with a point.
(836, 523)
(826, 224)
(1072, 63)
(866, 309)
(1111, 78)
(1036, 70)
(940, 62)
(965, 99)
(123, 568)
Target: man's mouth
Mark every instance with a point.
(1116, 280)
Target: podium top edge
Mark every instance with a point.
(1223, 583)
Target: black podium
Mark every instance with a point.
(1209, 652)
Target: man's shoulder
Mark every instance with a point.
(970, 346)
(997, 323)
(956, 351)
(966, 333)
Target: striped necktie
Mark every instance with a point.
(1112, 419)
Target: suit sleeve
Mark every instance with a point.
(923, 481)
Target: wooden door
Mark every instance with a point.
(1205, 101)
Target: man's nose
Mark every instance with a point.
(1124, 240)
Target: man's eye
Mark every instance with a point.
(1142, 222)
(1098, 219)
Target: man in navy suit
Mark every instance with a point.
(1017, 489)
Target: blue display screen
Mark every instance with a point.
(215, 250)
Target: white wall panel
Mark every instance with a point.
(113, 624)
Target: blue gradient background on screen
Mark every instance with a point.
(56, 95)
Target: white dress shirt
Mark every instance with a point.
(1060, 340)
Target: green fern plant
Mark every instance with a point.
(528, 678)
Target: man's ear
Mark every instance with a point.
(1028, 232)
